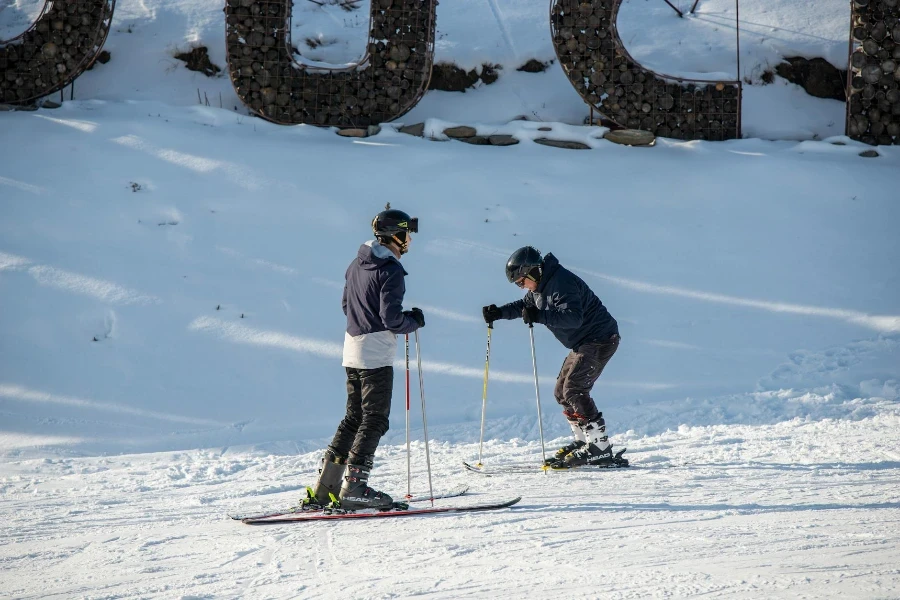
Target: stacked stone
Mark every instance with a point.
(596, 62)
(874, 97)
(57, 48)
(400, 54)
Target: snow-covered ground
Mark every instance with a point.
(802, 509)
(170, 326)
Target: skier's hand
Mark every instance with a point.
(531, 314)
(417, 315)
(491, 313)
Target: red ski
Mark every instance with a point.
(368, 514)
(317, 509)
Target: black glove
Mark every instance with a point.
(417, 315)
(530, 314)
(491, 313)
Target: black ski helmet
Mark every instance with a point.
(523, 263)
(395, 225)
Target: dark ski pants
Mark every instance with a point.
(368, 410)
(579, 373)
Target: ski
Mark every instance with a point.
(316, 508)
(372, 514)
(536, 468)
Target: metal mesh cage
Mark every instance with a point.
(604, 74)
(389, 80)
(64, 41)
(873, 78)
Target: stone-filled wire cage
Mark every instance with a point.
(388, 81)
(64, 40)
(594, 58)
(873, 79)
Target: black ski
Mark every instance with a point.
(317, 508)
(372, 514)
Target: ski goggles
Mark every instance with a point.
(412, 225)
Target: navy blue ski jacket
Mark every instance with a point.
(373, 293)
(568, 307)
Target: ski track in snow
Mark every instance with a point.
(728, 512)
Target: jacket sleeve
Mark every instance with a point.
(564, 310)
(513, 310)
(391, 310)
(344, 296)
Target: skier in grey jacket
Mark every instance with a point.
(373, 303)
(562, 301)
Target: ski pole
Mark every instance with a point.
(537, 391)
(424, 418)
(408, 475)
(487, 363)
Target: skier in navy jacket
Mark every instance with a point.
(563, 302)
(373, 303)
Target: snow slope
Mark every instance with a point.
(170, 327)
(741, 512)
(190, 232)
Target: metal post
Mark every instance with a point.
(848, 85)
(537, 391)
(424, 418)
(737, 29)
(487, 363)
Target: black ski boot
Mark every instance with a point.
(574, 445)
(596, 452)
(589, 454)
(355, 491)
(331, 475)
(561, 454)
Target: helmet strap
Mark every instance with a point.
(402, 244)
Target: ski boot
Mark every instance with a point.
(589, 454)
(355, 492)
(577, 443)
(331, 473)
(597, 450)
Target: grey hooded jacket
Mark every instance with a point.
(568, 307)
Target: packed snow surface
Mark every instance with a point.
(171, 330)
